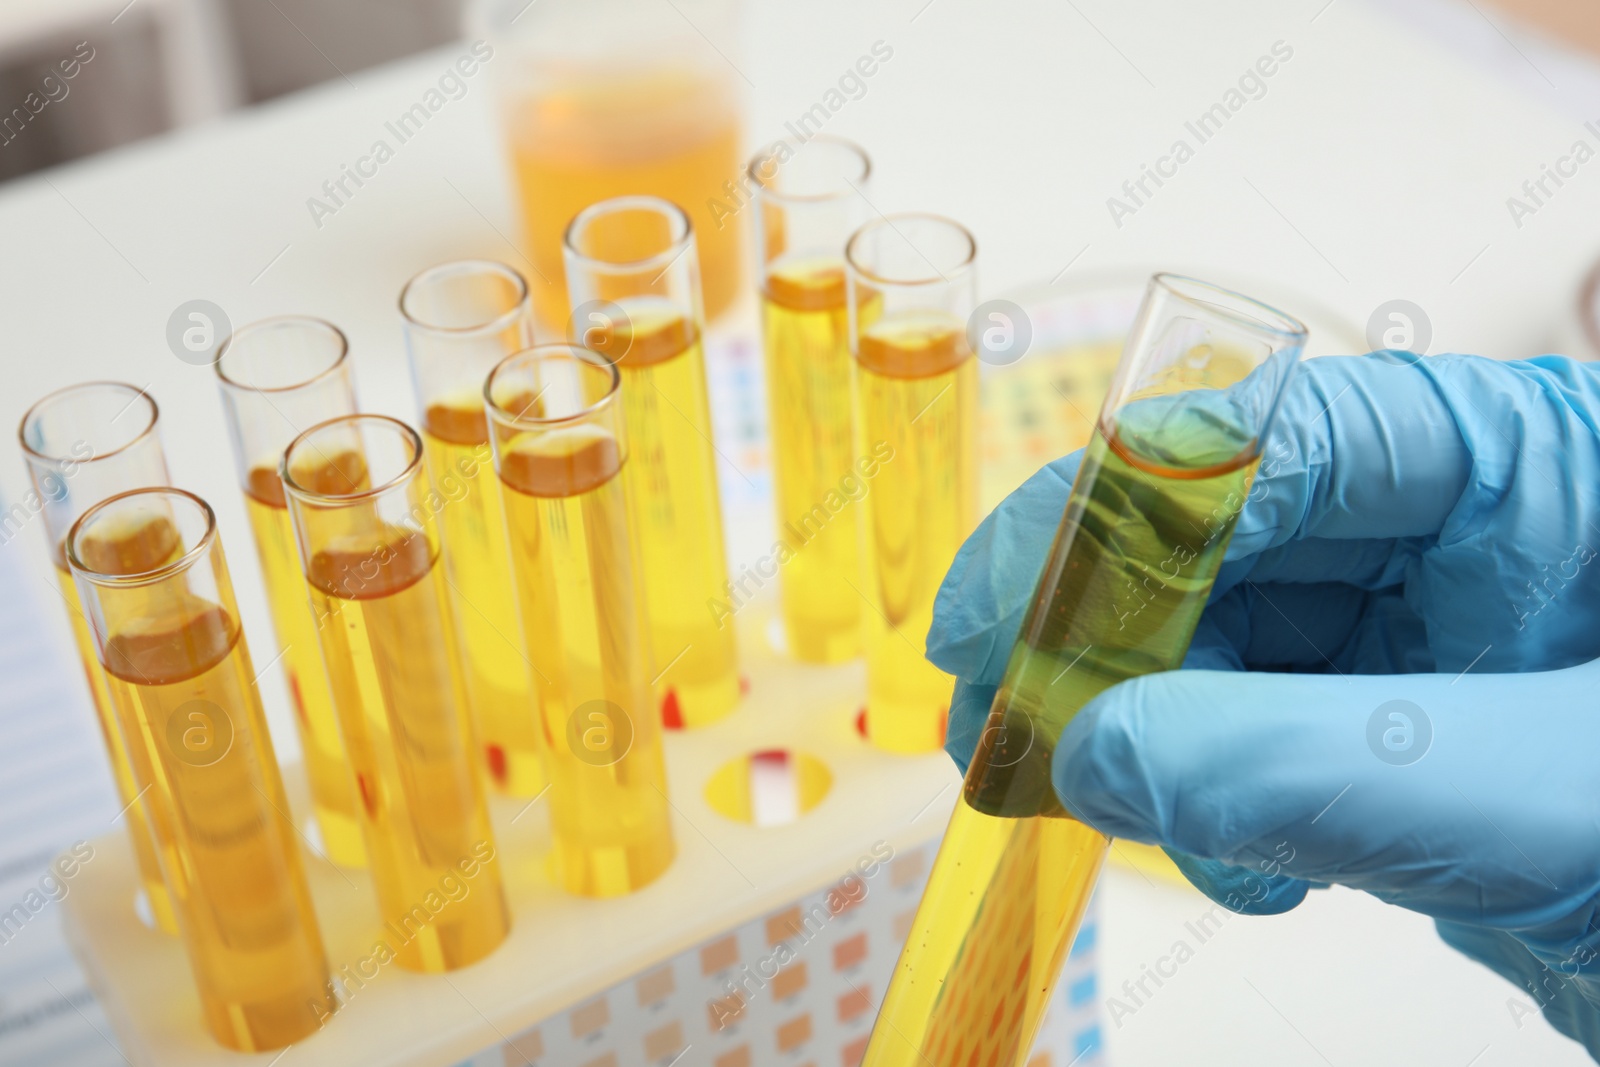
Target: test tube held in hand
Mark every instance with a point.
(562, 450)
(277, 377)
(83, 444)
(154, 584)
(461, 319)
(1143, 534)
(634, 282)
(912, 283)
(365, 517)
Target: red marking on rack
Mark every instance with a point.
(671, 711)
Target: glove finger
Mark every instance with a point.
(1245, 890)
(1455, 808)
(1362, 448)
(969, 710)
(979, 608)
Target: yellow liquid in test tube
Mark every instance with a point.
(1127, 579)
(671, 480)
(144, 846)
(917, 387)
(379, 592)
(807, 343)
(183, 684)
(672, 134)
(333, 791)
(569, 530)
(455, 436)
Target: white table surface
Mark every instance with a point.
(1376, 166)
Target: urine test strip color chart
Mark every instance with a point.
(799, 986)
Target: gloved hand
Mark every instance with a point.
(1412, 596)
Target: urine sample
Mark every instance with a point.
(811, 198)
(277, 377)
(367, 530)
(461, 319)
(912, 281)
(150, 570)
(635, 288)
(83, 444)
(608, 98)
(1144, 531)
(562, 451)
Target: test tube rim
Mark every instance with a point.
(201, 547)
(584, 355)
(274, 321)
(409, 471)
(769, 192)
(489, 328)
(1175, 285)
(946, 277)
(682, 234)
(56, 394)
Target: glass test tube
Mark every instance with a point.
(635, 287)
(811, 199)
(912, 283)
(461, 319)
(277, 377)
(150, 570)
(82, 444)
(1144, 531)
(365, 518)
(561, 448)
(606, 98)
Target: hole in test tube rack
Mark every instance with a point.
(772, 787)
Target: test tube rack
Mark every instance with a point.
(760, 945)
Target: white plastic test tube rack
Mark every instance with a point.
(761, 945)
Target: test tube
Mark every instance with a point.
(634, 283)
(912, 282)
(277, 377)
(366, 522)
(460, 320)
(561, 447)
(150, 570)
(1144, 531)
(811, 198)
(82, 444)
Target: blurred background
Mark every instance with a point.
(172, 63)
(161, 64)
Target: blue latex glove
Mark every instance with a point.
(1412, 597)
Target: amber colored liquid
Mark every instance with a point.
(333, 791)
(388, 644)
(917, 391)
(144, 846)
(182, 682)
(575, 568)
(478, 565)
(591, 137)
(986, 947)
(671, 480)
(806, 335)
